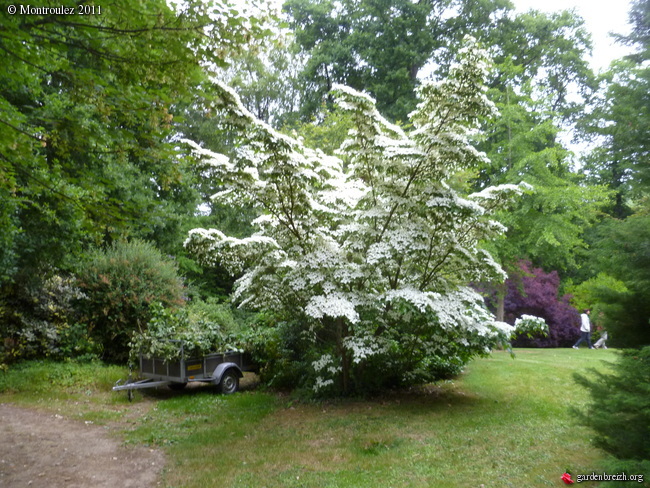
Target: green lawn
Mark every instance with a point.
(503, 423)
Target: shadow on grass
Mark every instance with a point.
(250, 382)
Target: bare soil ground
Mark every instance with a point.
(46, 450)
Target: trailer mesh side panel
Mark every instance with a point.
(233, 357)
(159, 367)
(175, 370)
(147, 365)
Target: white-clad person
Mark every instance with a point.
(601, 342)
(585, 330)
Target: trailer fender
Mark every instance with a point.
(222, 368)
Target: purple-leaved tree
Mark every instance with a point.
(533, 291)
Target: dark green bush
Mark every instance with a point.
(287, 357)
(215, 310)
(274, 346)
(121, 284)
(43, 322)
(619, 413)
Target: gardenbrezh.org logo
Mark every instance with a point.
(566, 477)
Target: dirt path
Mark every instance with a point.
(48, 451)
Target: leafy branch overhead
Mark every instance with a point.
(372, 252)
(87, 107)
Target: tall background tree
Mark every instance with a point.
(89, 105)
(618, 125)
(87, 111)
(380, 46)
(539, 59)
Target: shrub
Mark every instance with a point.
(532, 291)
(622, 250)
(44, 323)
(606, 297)
(619, 412)
(281, 350)
(121, 284)
(220, 312)
(531, 326)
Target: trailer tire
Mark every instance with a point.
(229, 382)
(177, 386)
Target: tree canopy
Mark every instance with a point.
(87, 105)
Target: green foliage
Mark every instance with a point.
(44, 322)
(639, 17)
(382, 47)
(221, 312)
(266, 78)
(622, 249)
(589, 292)
(281, 349)
(619, 412)
(375, 45)
(548, 224)
(292, 360)
(619, 126)
(121, 284)
(43, 378)
(545, 52)
(605, 296)
(198, 330)
(538, 58)
(87, 110)
(327, 134)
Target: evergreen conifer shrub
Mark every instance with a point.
(619, 413)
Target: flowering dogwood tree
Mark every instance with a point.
(369, 252)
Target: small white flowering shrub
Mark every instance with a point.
(369, 254)
(531, 326)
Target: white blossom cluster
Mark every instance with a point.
(325, 366)
(531, 325)
(334, 305)
(212, 247)
(366, 249)
(362, 347)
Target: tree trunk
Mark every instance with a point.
(501, 301)
(341, 333)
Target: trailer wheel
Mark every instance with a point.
(229, 382)
(177, 386)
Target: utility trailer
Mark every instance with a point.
(223, 369)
